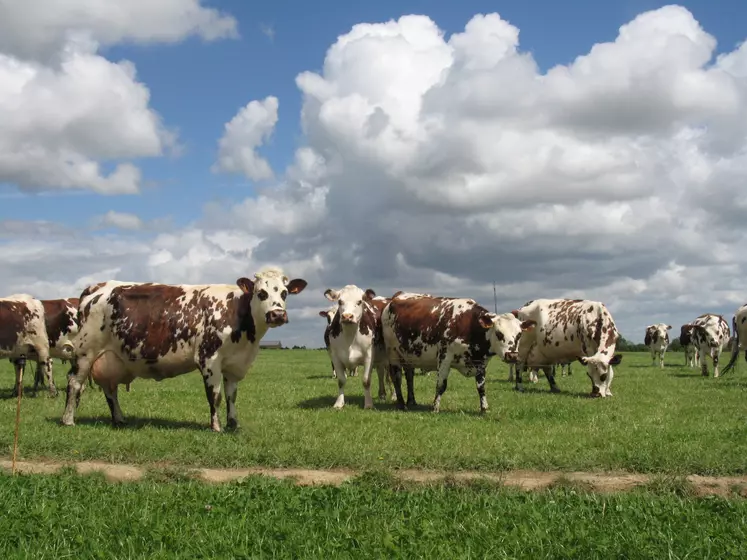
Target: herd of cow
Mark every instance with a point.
(117, 331)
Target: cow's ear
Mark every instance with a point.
(528, 325)
(616, 359)
(515, 313)
(331, 294)
(669, 327)
(369, 295)
(323, 314)
(296, 286)
(246, 285)
(486, 320)
(583, 359)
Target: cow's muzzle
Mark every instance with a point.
(511, 357)
(276, 317)
(347, 318)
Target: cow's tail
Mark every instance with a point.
(734, 348)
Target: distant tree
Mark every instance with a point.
(675, 345)
(624, 345)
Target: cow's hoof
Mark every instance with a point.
(519, 389)
(64, 422)
(232, 425)
(53, 394)
(595, 395)
(554, 390)
(117, 424)
(483, 411)
(411, 404)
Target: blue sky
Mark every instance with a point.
(197, 87)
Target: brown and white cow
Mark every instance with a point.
(710, 334)
(569, 329)
(23, 335)
(355, 339)
(657, 341)
(329, 314)
(441, 333)
(688, 348)
(159, 331)
(739, 326)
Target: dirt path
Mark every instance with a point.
(527, 480)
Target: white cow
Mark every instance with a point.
(657, 340)
(692, 356)
(739, 324)
(329, 314)
(709, 335)
(353, 339)
(23, 335)
(566, 330)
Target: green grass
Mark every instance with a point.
(87, 517)
(672, 421)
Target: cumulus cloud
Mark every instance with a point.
(38, 29)
(120, 220)
(248, 130)
(66, 110)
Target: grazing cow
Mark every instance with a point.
(440, 333)
(657, 340)
(689, 349)
(709, 335)
(329, 314)
(158, 331)
(739, 324)
(570, 329)
(23, 334)
(355, 340)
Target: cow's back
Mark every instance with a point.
(61, 321)
(711, 330)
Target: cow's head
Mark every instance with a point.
(269, 290)
(329, 314)
(657, 332)
(686, 333)
(504, 332)
(351, 302)
(599, 364)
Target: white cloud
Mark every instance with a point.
(244, 133)
(66, 111)
(120, 220)
(39, 29)
(268, 31)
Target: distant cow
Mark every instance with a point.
(440, 333)
(329, 314)
(686, 341)
(739, 324)
(709, 335)
(570, 329)
(355, 339)
(159, 331)
(657, 341)
(23, 335)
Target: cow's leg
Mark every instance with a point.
(76, 379)
(38, 377)
(112, 399)
(703, 364)
(715, 356)
(47, 367)
(606, 382)
(341, 378)
(410, 378)
(550, 375)
(396, 374)
(381, 376)
(444, 366)
(511, 369)
(593, 374)
(231, 388)
(480, 382)
(20, 366)
(520, 367)
(366, 381)
(661, 359)
(211, 376)
(533, 375)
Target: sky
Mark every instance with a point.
(579, 149)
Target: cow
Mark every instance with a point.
(159, 331)
(355, 339)
(569, 329)
(657, 341)
(691, 352)
(23, 334)
(329, 314)
(739, 326)
(709, 335)
(439, 333)
(565, 370)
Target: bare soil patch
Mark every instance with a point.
(726, 486)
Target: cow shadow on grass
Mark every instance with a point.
(6, 394)
(546, 391)
(354, 401)
(137, 423)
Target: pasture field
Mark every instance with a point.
(87, 517)
(672, 421)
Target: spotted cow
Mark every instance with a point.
(657, 341)
(441, 333)
(688, 348)
(739, 326)
(329, 314)
(134, 330)
(23, 335)
(710, 334)
(569, 329)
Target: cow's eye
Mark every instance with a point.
(263, 295)
(360, 302)
(284, 294)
